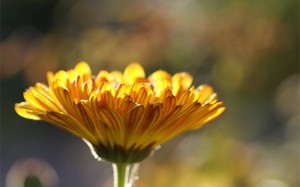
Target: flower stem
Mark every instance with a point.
(119, 175)
(125, 174)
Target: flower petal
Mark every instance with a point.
(158, 76)
(110, 120)
(182, 80)
(203, 92)
(24, 109)
(126, 106)
(132, 72)
(82, 68)
(69, 124)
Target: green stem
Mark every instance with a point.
(125, 174)
(119, 175)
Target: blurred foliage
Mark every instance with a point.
(249, 51)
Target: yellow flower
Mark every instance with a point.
(122, 116)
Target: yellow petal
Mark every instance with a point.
(161, 96)
(203, 92)
(168, 105)
(50, 77)
(132, 72)
(111, 118)
(24, 109)
(124, 88)
(82, 68)
(183, 80)
(186, 98)
(159, 75)
(116, 76)
(106, 99)
(166, 120)
(62, 95)
(147, 119)
(70, 124)
(126, 106)
(162, 85)
(213, 115)
(141, 93)
(131, 121)
(103, 76)
(43, 97)
(112, 124)
(62, 76)
(121, 112)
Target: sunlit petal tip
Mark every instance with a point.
(57, 83)
(132, 72)
(213, 98)
(159, 75)
(204, 87)
(215, 114)
(221, 110)
(23, 109)
(50, 77)
(162, 85)
(116, 76)
(82, 68)
(183, 79)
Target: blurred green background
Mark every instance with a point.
(248, 50)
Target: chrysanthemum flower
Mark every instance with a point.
(122, 116)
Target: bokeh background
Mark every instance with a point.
(248, 50)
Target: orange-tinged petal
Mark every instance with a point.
(151, 116)
(148, 117)
(126, 106)
(133, 117)
(120, 98)
(84, 117)
(166, 120)
(87, 89)
(105, 86)
(111, 118)
(106, 99)
(131, 121)
(186, 98)
(168, 104)
(124, 88)
(93, 122)
(141, 93)
(68, 123)
(112, 122)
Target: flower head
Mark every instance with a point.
(122, 116)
